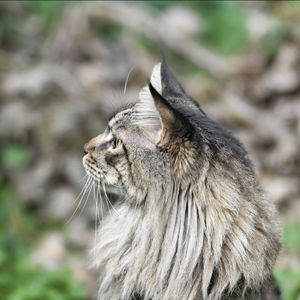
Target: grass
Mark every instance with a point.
(289, 280)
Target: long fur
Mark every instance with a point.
(195, 224)
(172, 248)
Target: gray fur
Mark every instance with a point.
(195, 223)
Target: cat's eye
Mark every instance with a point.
(115, 142)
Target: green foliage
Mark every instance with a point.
(19, 281)
(289, 282)
(50, 10)
(160, 5)
(225, 29)
(10, 26)
(15, 155)
(274, 39)
(224, 23)
(294, 3)
(109, 30)
(13, 21)
(291, 236)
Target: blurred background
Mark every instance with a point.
(63, 68)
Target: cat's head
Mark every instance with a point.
(152, 141)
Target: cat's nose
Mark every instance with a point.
(92, 144)
(89, 147)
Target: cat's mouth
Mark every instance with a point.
(92, 169)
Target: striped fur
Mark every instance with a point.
(195, 223)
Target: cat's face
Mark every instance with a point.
(147, 142)
(116, 155)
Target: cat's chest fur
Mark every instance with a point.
(178, 249)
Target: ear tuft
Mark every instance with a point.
(160, 111)
(146, 107)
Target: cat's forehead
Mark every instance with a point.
(122, 117)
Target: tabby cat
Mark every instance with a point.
(194, 223)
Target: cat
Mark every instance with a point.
(194, 224)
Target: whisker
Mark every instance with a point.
(101, 202)
(87, 198)
(80, 196)
(103, 186)
(83, 178)
(84, 187)
(96, 208)
(106, 199)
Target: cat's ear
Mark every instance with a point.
(170, 87)
(165, 82)
(165, 101)
(172, 121)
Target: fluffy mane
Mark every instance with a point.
(201, 228)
